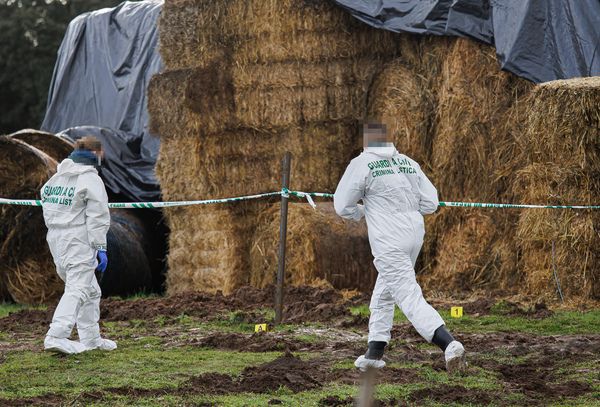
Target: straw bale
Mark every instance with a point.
(322, 246)
(193, 33)
(211, 100)
(479, 109)
(473, 100)
(209, 246)
(471, 253)
(56, 147)
(401, 99)
(560, 154)
(317, 46)
(26, 269)
(249, 161)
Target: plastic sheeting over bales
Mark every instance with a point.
(104, 64)
(538, 40)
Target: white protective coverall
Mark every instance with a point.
(76, 213)
(396, 194)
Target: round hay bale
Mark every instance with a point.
(56, 147)
(474, 97)
(473, 254)
(26, 267)
(401, 99)
(321, 246)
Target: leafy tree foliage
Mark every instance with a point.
(31, 32)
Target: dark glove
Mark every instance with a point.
(102, 261)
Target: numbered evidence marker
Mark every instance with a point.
(456, 312)
(261, 328)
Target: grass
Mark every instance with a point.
(141, 364)
(7, 308)
(156, 355)
(561, 323)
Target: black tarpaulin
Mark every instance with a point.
(540, 40)
(104, 65)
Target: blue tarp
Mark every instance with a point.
(540, 40)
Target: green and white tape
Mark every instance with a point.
(298, 194)
(521, 206)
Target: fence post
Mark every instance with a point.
(287, 158)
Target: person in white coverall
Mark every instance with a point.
(75, 207)
(395, 194)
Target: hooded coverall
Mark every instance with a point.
(396, 194)
(76, 213)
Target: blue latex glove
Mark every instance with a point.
(102, 261)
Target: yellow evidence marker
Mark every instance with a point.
(456, 312)
(261, 328)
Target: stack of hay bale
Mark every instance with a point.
(448, 105)
(560, 153)
(322, 248)
(470, 153)
(245, 82)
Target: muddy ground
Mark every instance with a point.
(536, 376)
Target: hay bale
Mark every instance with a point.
(471, 255)
(57, 148)
(215, 99)
(474, 139)
(473, 101)
(249, 161)
(401, 99)
(560, 152)
(322, 246)
(26, 268)
(208, 247)
(195, 32)
(235, 163)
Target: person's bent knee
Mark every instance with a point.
(80, 292)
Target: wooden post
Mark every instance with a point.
(367, 388)
(287, 158)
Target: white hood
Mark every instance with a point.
(386, 152)
(69, 167)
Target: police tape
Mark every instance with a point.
(287, 193)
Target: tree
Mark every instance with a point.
(31, 33)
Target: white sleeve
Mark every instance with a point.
(97, 215)
(350, 190)
(428, 199)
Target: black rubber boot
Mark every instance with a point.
(375, 350)
(442, 338)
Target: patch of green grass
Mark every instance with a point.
(308, 338)
(363, 311)
(586, 401)
(6, 308)
(142, 363)
(561, 323)
(287, 398)
(584, 371)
